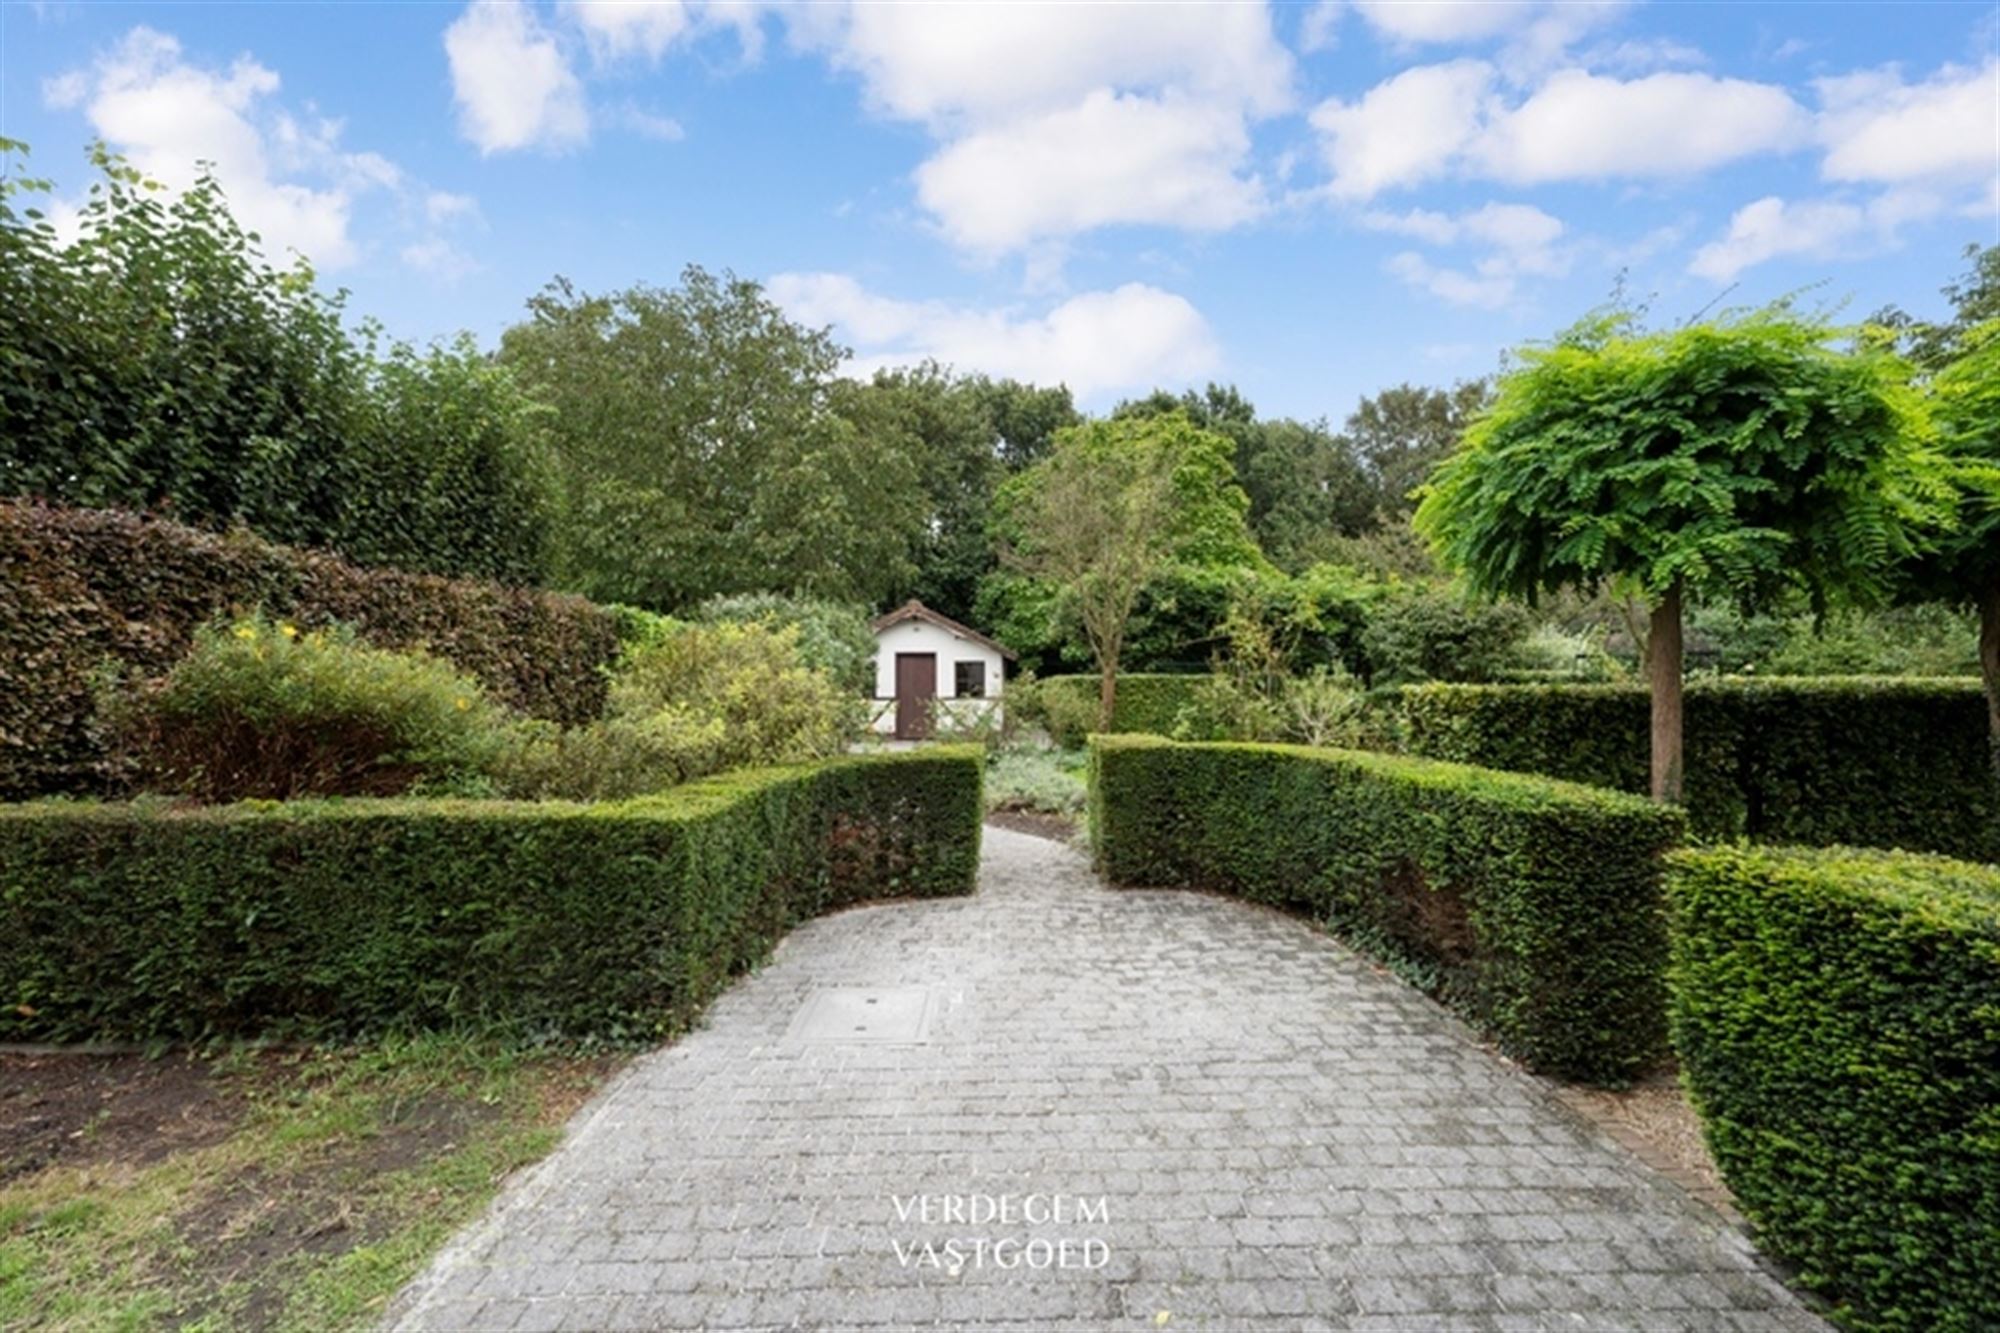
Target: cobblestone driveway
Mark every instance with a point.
(1279, 1135)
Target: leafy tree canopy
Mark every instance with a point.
(1736, 459)
(700, 448)
(158, 362)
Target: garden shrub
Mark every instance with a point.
(1532, 906)
(1865, 761)
(264, 709)
(80, 588)
(1424, 632)
(696, 701)
(832, 636)
(324, 919)
(1837, 1014)
(1067, 705)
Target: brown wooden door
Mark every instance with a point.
(916, 686)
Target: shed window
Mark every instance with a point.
(970, 682)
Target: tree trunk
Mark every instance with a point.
(1989, 667)
(1107, 691)
(1663, 665)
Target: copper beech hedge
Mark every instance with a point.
(86, 589)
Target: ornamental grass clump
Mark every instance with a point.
(262, 708)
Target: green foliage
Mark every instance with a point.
(966, 434)
(80, 589)
(1022, 778)
(1965, 566)
(1740, 459)
(263, 709)
(1418, 632)
(1302, 481)
(1871, 762)
(698, 449)
(1402, 434)
(1531, 906)
(831, 636)
(1067, 705)
(1835, 1014)
(316, 920)
(158, 362)
(702, 700)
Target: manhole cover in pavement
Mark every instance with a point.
(899, 1014)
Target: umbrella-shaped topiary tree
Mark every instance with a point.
(1743, 459)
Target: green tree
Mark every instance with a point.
(1728, 461)
(699, 450)
(1106, 512)
(1304, 482)
(159, 363)
(1402, 433)
(1963, 567)
(1975, 301)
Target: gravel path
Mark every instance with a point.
(1056, 1105)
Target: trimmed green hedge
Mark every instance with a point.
(333, 918)
(1837, 1015)
(1146, 702)
(80, 588)
(1532, 906)
(1874, 761)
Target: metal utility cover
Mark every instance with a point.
(899, 1014)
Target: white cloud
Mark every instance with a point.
(619, 28)
(1581, 126)
(1518, 240)
(1052, 119)
(647, 124)
(287, 178)
(1405, 130)
(1532, 34)
(514, 87)
(1449, 118)
(991, 61)
(1102, 342)
(438, 258)
(1485, 291)
(1879, 129)
(1319, 30)
(442, 206)
(1112, 159)
(1773, 228)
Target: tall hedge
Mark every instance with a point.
(1837, 1015)
(1530, 905)
(83, 588)
(325, 919)
(1868, 761)
(1146, 702)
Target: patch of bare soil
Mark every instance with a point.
(1037, 823)
(1653, 1121)
(80, 1109)
(260, 1219)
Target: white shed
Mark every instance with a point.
(928, 665)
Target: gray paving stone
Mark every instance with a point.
(1282, 1136)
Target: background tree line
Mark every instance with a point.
(665, 446)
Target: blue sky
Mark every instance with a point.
(1312, 200)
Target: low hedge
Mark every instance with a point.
(336, 918)
(1875, 761)
(1837, 1015)
(80, 588)
(1530, 905)
(1145, 702)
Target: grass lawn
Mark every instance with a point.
(288, 1189)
